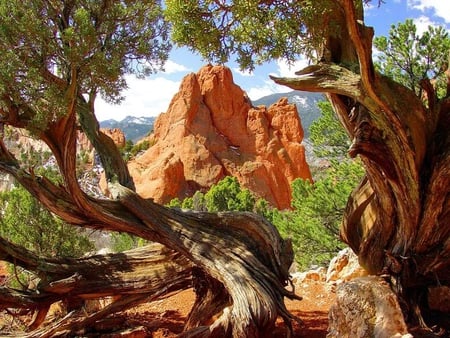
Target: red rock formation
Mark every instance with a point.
(116, 135)
(211, 130)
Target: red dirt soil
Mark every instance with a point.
(165, 318)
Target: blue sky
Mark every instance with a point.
(151, 96)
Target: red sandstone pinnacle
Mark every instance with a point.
(211, 130)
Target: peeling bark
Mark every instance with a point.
(397, 220)
(134, 276)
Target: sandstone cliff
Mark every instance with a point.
(211, 130)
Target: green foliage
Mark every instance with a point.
(141, 146)
(27, 223)
(32, 158)
(188, 203)
(327, 134)
(123, 242)
(83, 157)
(228, 195)
(174, 203)
(254, 31)
(198, 202)
(46, 45)
(130, 150)
(409, 58)
(128, 146)
(263, 208)
(314, 223)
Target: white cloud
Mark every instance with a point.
(144, 97)
(288, 70)
(172, 67)
(268, 88)
(283, 70)
(422, 24)
(440, 8)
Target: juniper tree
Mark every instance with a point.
(396, 114)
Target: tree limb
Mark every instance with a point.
(325, 77)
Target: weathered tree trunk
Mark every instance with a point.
(398, 219)
(134, 276)
(211, 299)
(241, 251)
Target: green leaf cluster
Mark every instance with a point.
(123, 242)
(27, 223)
(45, 46)
(314, 222)
(409, 58)
(253, 31)
(130, 149)
(226, 195)
(318, 208)
(327, 135)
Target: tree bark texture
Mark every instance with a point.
(398, 219)
(242, 252)
(138, 275)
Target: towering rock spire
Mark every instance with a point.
(211, 130)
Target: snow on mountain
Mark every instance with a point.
(133, 127)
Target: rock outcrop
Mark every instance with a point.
(344, 267)
(211, 130)
(366, 307)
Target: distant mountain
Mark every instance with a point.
(134, 128)
(306, 105)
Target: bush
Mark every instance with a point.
(123, 242)
(314, 223)
(27, 223)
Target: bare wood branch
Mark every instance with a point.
(362, 41)
(325, 77)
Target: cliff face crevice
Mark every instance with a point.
(211, 130)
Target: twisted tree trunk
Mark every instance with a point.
(132, 277)
(241, 252)
(398, 219)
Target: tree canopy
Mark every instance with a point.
(252, 31)
(409, 58)
(328, 137)
(46, 45)
(26, 222)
